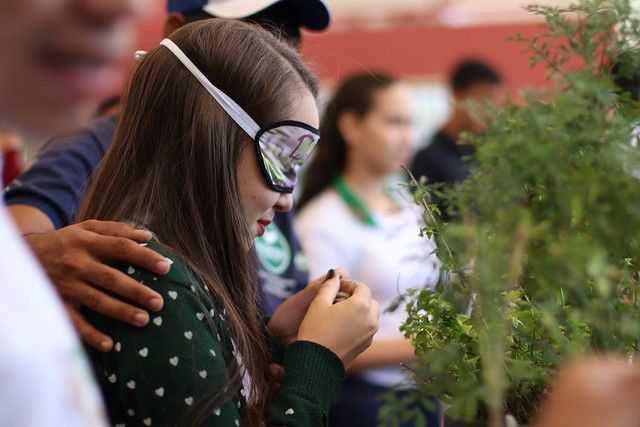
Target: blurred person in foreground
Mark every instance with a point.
(63, 60)
(48, 195)
(349, 215)
(446, 160)
(594, 392)
(45, 377)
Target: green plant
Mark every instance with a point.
(546, 242)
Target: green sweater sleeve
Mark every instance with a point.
(312, 373)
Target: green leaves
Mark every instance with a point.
(546, 239)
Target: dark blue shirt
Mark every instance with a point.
(443, 160)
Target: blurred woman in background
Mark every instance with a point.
(350, 217)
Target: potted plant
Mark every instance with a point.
(544, 251)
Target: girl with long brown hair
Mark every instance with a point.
(216, 122)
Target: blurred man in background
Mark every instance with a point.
(445, 159)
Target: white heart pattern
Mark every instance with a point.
(289, 411)
(117, 347)
(112, 378)
(131, 384)
(200, 316)
(144, 352)
(174, 360)
(130, 270)
(188, 335)
(131, 412)
(173, 294)
(203, 374)
(160, 391)
(157, 321)
(217, 411)
(147, 421)
(188, 401)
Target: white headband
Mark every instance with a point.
(229, 105)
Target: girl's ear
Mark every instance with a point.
(348, 124)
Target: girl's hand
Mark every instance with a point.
(286, 320)
(346, 327)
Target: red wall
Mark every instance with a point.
(414, 52)
(423, 53)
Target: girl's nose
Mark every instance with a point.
(284, 203)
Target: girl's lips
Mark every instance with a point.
(263, 223)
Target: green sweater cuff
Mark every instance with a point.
(312, 370)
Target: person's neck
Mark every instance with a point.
(367, 185)
(456, 125)
(369, 188)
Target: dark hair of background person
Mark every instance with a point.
(626, 77)
(177, 177)
(354, 94)
(108, 106)
(279, 19)
(470, 72)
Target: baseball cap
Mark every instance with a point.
(313, 14)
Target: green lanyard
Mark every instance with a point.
(354, 202)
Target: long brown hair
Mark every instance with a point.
(355, 94)
(172, 166)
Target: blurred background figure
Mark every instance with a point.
(444, 159)
(12, 153)
(593, 393)
(349, 217)
(66, 56)
(626, 79)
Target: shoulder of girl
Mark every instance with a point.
(177, 273)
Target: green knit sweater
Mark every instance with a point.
(162, 374)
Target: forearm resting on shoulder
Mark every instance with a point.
(30, 219)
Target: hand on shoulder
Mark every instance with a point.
(72, 257)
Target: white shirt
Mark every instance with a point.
(45, 377)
